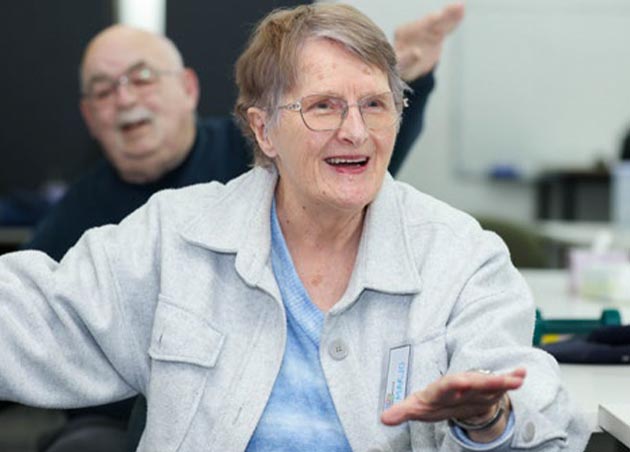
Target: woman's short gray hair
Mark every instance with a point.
(267, 69)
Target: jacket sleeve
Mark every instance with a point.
(67, 338)
(491, 327)
(413, 120)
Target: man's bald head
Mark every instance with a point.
(138, 101)
(117, 36)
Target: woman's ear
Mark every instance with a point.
(257, 119)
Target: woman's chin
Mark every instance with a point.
(351, 202)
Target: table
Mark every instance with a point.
(614, 418)
(588, 385)
(550, 289)
(582, 233)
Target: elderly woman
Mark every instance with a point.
(311, 304)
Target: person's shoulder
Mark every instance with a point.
(439, 229)
(79, 209)
(423, 210)
(222, 132)
(184, 202)
(217, 124)
(222, 146)
(82, 194)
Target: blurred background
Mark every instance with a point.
(526, 121)
(524, 130)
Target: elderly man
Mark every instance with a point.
(139, 103)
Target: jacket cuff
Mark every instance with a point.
(461, 437)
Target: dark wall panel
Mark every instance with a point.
(211, 36)
(42, 136)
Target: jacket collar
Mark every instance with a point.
(385, 261)
(238, 221)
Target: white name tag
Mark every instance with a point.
(396, 375)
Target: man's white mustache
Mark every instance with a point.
(132, 116)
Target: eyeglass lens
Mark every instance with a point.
(103, 89)
(328, 113)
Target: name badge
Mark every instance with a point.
(396, 373)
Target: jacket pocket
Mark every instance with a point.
(181, 336)
(430, 359)
(184, 349)
(430, 362)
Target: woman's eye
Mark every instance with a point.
(374, 104)
(324, 104)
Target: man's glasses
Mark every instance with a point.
(139, 78)
(322, 113)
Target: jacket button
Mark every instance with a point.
(529, 432)
(338, 349)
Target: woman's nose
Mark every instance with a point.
(353, 128)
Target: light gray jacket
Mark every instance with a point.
(179, 303)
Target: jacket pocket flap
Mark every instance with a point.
(181, 336)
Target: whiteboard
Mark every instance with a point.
(540, 84)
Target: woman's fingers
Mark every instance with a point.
(458, 395)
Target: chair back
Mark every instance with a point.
(137, 422)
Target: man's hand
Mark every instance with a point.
(418, 44)
(470, 397)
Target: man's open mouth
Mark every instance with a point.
(133, 125)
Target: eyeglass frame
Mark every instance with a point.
(296, 106)
(124, 79)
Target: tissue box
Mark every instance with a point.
(603, 275)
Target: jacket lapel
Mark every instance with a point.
(236, 220)
(385, 263)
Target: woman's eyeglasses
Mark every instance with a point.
(322, 113)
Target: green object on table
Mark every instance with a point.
(527, 248)
(609, 317)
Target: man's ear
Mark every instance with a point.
(88, 117)
(191, 86)
(257, 119)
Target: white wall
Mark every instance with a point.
(535, 90)
(147, 14)
(432, 165)
(436, 165)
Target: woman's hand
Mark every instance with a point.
(471, 397)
